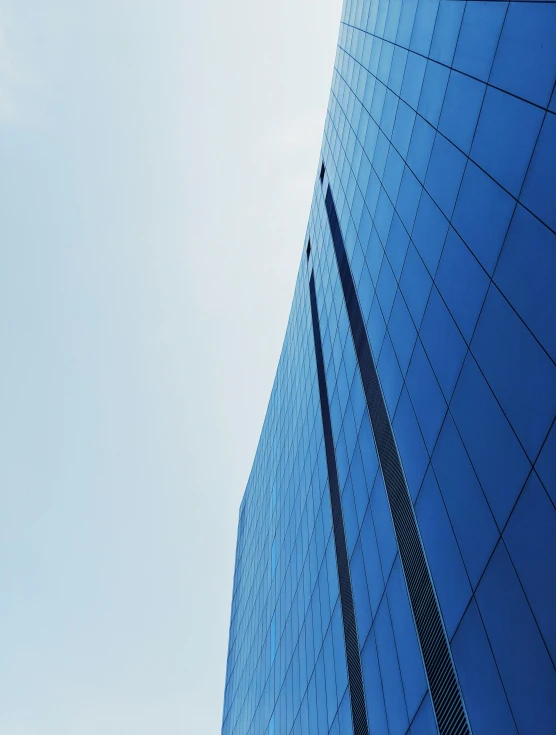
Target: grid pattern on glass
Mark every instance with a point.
(286, 637)
(439, 144)
(468, 375)
(355, 678)
(443, 684)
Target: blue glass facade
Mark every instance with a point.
(396, 556)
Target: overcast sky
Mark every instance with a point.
(157, 162)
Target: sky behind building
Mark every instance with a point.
(157, 167)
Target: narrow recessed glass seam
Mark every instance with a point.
(445, 692)
(355, 676)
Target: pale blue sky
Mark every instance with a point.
(157, 161)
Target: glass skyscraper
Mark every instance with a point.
(396, 553)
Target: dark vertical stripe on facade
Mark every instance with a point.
(355, 677)
(443, 684)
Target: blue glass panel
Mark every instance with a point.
(320, 686)
(350, 364)
(344, 716)
(410, 443)
(405, 27)
(329, 670)
(444, 174)
(403, 127)
(383, 526)
(552, 105)
(396, 247)
(372, 127)
(527, 672)
(446, 32)
(432, 92)
(339, 651)
(386, 288)
(482, 215)
(420, 147)
(402, 332)
(371, 12)
(407, 646)
(497, 457)
(381, 154)
(342, 384)
(391, 378)
(272, 639)
(505, 138)
(356, 207)
(443, 343)
(408, 198)
(351, 524)
(312, 703)
(415, 284)
(531, 540)
(374, 697)
(375, 581)
(381, 18)
(393, 173)
(460, 112)
(539, 189)
(334, 730)
(423, 26)
(335, 413)
(361, 491)
(360, 594)
(390, 672)
(333, 589)
(365, 223)
(525, 62)
(425, 722)
(384, 64)
(377, 104)
(546, 464)
(443, 555)
(413, 79)
(526, 274)
(368, 450)
(397, 68)
(370, 139)
(429, 232)
(426, 396)
(527, 391)
(383, 216)
(376, 328)
(469, 513)
(478, 37)
(342, 459)
(392, 20)
(487, 705)
(363, 181)
(374, 254)
(462, 283)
